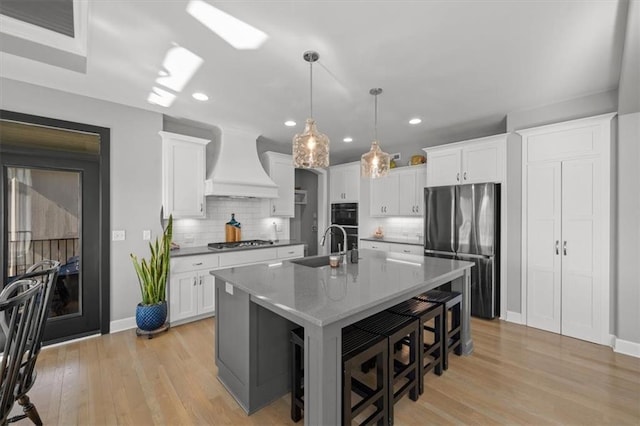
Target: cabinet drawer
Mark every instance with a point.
(244, 257)
(406, 248)
(290, 252)
(192, 263)
(374, 245)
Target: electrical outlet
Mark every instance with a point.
(146, 234)
(397, 156)
(278, 227)
(118, 235)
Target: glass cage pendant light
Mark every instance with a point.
(310, 148)
(375, 163)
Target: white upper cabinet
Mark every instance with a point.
(183, 174)
(472, 161)
(280, 169)
(344, 183)
(400, 193)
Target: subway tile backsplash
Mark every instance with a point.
(252, 213)
(402, 228)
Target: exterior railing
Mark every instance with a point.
(22, 254)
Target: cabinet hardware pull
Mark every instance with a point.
(458, 176)
(407, 251)
(465, 176)
(291, 252)
(200, 206)
(194, 281)
(557, 247)
(196, 264)
(273, 208)
(564, 248)
(200, 280)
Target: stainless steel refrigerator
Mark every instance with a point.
(463, 222)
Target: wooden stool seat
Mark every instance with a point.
(396, 328)
(430, 353)
(451, 302)
(358, 346)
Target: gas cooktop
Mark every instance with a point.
(246, 243)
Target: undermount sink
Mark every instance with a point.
(312, 262)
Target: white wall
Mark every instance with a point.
(135, 172)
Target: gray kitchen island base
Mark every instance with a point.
(257, 306)
(253, 363)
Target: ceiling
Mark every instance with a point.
(460, 66)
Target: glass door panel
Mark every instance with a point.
(43, 222)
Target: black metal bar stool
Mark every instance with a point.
(430, 351)
(396, 328)
(358, 346)
(452, 302)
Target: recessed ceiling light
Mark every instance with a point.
(415, 121)
(289, 123)
(347, 139)
(237, 33)
(200, 96)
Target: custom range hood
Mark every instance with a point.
(233, 167)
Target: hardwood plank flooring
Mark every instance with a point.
(516, 375)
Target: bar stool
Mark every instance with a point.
(452, 302)
(358, 346)
(396, 328)
(429, 353)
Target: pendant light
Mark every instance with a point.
(310, 148)
(375, 163)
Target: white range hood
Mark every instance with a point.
(235, 170)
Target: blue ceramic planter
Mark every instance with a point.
(151, 317)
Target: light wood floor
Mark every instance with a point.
(516, 375)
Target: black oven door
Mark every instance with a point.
(337, 239)
(344, 214)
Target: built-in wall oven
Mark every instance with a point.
(345, 215)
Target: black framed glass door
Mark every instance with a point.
(51, 211)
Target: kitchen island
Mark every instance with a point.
(257, 305)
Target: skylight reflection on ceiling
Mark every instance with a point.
(178, 66)
(237, 33)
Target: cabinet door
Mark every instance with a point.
(183, 180)
(183, 295)
(282, 173)
(443, 167)
(351, 179)
(336, 185)
(206, 293)
(421, 183)
(384, 196)
(581, 288)
(482, 163)
(407, 193)
(543, 268)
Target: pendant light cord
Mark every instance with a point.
(375, 118)
(310, 89)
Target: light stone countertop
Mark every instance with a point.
(192, 251)
(325, 295)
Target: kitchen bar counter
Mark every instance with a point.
(257, 305)
(192, 251)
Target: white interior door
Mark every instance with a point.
(543, 267)
(580, 289)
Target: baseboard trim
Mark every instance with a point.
(515, 317)
(122, 324)
(626, 347)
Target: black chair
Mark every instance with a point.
(45, 272)
(452, 303)
(358, 346)
(430, 350)
(396, 328)
(19, 307)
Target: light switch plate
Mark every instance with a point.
(146, 234)
(118, 235)
(228, 288)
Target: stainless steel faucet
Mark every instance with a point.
(344, 241)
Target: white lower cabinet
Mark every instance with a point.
(392, 247)
(192, 287)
